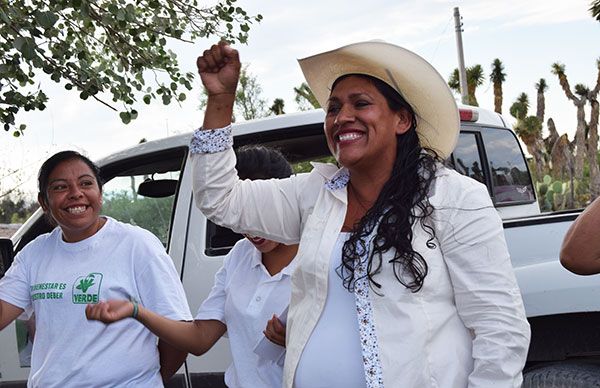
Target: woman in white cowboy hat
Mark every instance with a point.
(403, 278)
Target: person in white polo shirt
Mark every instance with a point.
(251, 288)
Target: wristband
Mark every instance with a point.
(134, 314)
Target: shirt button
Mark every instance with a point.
(258, 298)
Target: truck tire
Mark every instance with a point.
(570, 375)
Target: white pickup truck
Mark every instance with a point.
(150, 185)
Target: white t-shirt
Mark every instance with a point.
(58, 279)
(244, 297)
(332, 357)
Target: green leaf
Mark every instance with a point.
(46, 19)
(19, 42)
(26, 46)
(125, 117)
(60, 38)
(4, 17)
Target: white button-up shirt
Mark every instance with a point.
(465, 328)
(244, 297)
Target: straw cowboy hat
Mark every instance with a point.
(438, 122)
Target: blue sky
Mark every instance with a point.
(527, 36)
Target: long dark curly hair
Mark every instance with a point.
(403, 201)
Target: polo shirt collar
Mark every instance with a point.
(257, 261)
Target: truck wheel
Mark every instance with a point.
(568, 375)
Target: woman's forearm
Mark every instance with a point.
(8, 313)
(580, 251)
(219, 111)
(196, 337)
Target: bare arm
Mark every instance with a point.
(8, 313)
(580, 251)
(196, 337)
(171, 359)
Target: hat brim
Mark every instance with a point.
(438, 122)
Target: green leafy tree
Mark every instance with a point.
(101, 49)
(595, 9)
(15, 208)
(278, 107)
(541, 86)
(153, 214)
(306, 166)
(529, 129)
(497, 76)
(475, 78)
(520, 107)
(305, 98)
(579, 99)
(249, 101)
(592, 141)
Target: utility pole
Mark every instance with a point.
(462, 73)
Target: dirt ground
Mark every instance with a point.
(7, 230)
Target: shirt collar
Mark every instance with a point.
(257, 261)
(256, 257)
(335, 178)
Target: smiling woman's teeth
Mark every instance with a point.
(76, 210)
(349, 136)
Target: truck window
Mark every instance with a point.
(123, 202)
(220, 240)
(511, 182)
(466, 159)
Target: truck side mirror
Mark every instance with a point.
(158, 188)
(6, 255)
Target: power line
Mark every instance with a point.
(440, 39)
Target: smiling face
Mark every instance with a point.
(360, 127)
(73, 199)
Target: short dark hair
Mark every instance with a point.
(261, 162)
(56, 159)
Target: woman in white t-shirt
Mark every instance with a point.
(87, 258)
(251, 288)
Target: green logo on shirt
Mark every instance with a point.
(87, 288)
